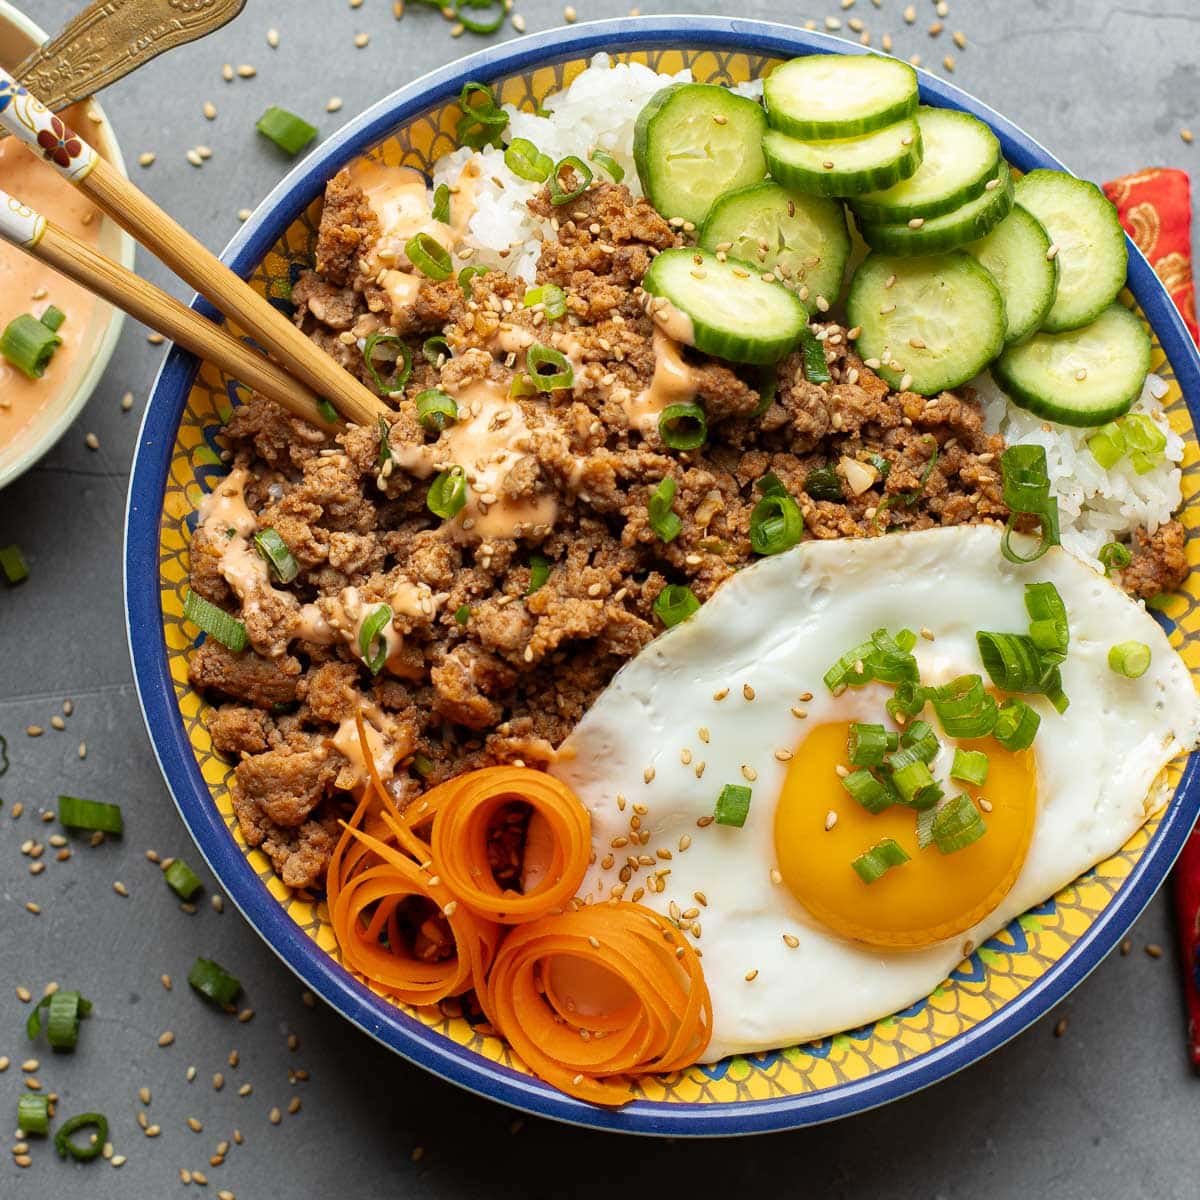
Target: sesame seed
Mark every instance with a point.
(960, 39)
(166, 1038)
(776, 876)
(1187, 136)
(155, 339)
(1154, 950)
(246, 71)
(751, 976)
(1060, 1027)
(910, 15)
(569, 15)
(784, 755)
(916, 222)
(799, 713)
(449, 909)
(193, 156)
(704, 821)
(120, 888)
(703, 734)
(209, 110)
(165, 980)
(333, 104)
(245, 1090)
(153, 1130)
(146, 159)
(936, 28)
(949, 63)
(749, 774)
(33, 908)
(518, 22)
(684, 842)
(1126, 946)
(648, 775)
(361, 39)
(1081, 374)
(273, 38)
(194, 1125)
(842, 771)
(294, 1105)
(906, 381)
(275, 1116)
(1052, 253)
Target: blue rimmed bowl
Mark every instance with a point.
(1006, 984)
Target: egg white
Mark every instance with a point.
(774, 629)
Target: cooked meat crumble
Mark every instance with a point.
(479, 668)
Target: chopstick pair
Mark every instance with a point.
(304, 375)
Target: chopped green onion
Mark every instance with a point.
(550, 369)
(33, 1114)
(884, 658)
(884, 465)
(1047, 621)
(53, 318)
(733, 805)
(1016, 725)
(422, 765)
(436, 410)
(372, 642)
(963, 707)
(1012, 660)
(552, 299)
(279, 558)
(29, 345)
(481, 123)
(93, 816)
(1107, 445)
(385, 444)
(526, 161)
(401, 360)
(558, 193)
(95, 1144)
(874, 863)
(539, 572)
(823, 483)
(869, 743)
(213, 982)
(327, 411)
(675, 603)
(3, 755)
(683, 426)
(925, 820)
(908, 700)
(441, 204)
(606, 162)
(1027, 491)
(1114, 556)
(768, 390)
(912, 779)
(969, 766)
(776, 523)
(1129, 659)
(429, 256)
(958, 823)
(870, 792)
(482, 27)
(436, 351)
(663, 521)
(67, 1010)
(462, 614)
(288, 131)
(214, 621)
(522, 385)
(812, 349)
(1146, 441)
(447, 495)
(182, 880)
(921, 740)
(13, 564)
(466, 275)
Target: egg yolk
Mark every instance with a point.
(931, 897)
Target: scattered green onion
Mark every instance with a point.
(1027, 491)
(475, 26)
(213, 982)
(606, 162)
(1016, 725)
(925, 820)
(1107, 445)
(683, 426)
(422, 765)
(401, 359)
(447, 495)
(29, 345)
(441, 204)
(1114, 556)
(274, 549)
(539, 572)
(869, 791)
(908, 700)
(1012, 660)
(214, 621)
(1047, 621)
(462, 614)
(1129, 659)
(288, 131)
(3, 755)
(64, 1011)
(549, 369)
(436, 351)
(969, 766)
(13, 564)
(182, 880)
(1146, 441)
(881, 858)
(733, 805)
(768, 389)
(95, 1144)
(526, 161)
(522, 385)
(558, 193)
(327, 411)
(33, 1114)
(663, 521)
(481, 123)
(958, 823)
(372, 642)
(92, 816)
(823, 483)
(884, 465)
(53, 318)
(466, 275)
(429, 256)
(883, 658)
(921, 740)
(436, 410)
(963, 707)
(912, 779)
(552, 299)
(776, 523)
(675, 603)
(385, 444)
(869, 743)
(812, 349)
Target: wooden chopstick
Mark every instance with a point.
(24, 116)
(31, 232)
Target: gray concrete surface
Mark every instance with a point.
(1107, 1110)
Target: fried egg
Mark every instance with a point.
(795, 945)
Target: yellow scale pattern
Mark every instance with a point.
(980, 987)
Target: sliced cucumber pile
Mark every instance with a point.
(836, 96)
(845, 166)
(694, 142)
(1085, 376)
(959, 156)
(1015, 255)
(932, 322)
(735, 313)
(1083, 224)
(802, 239)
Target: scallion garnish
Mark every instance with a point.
(436, 410)
(274, 549)
(550, 369)
(675, 603)
(462, 614)
(441, 204)
(872, 793)
(1130, 659)
(606, 162)
(526, 161)
(394, 353)
(29, 345)
(559, 192)
(3, 754)
(33, 1114)
(214, 621)
(53, 318)
(436, 350)
(64, 1011)
(288, 131)
(816, 369)
(327, 411)
(925, 819)
(13, 564)
(882, 857)
(1027, 492)
(1012, 660)
(733, 805)
(921, 740)
(768, 389)
(422, 765)
(182, 880)
(963, 707)
(539, 572)
(213, 982)
(912, 779)
(663, 521)
(1146, 441)
(482, 120)
(92, 816)
(1114, 556)
(447, 495)
(94, 1145)
(1107, 445)
(1047, 621)
(869, 743)
(466, 275)
(776, 523)
(884, 658)
(476, 26)
(957, 824)
(552, 299)
(969, 766)
(823, 483)
(683, 426)
(372, 644)
(429, 256)
(1016, 725)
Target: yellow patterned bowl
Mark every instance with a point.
(1006, 983)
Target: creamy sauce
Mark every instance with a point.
(672, 321)
(673, 383)
(388, 743)
(28, 286)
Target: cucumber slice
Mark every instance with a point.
(802, 239)
(1092, 261)
(1014, 254)
(960, 155)
(947, 304)
(695, 141)
(845, 166)
(973, 220)
(734, 313)
(836, 96)
(1085, 376)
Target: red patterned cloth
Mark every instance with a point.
(1156, 210)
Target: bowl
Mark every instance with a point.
(18, 37)
(1007, 983)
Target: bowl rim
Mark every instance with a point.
(317, 969)
(107, 343)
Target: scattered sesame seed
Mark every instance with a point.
(166, 1038)
(960, 39)
(333, 104)
(294, 1105)
(153, 1130)
(749, 774)
(361, 39)
(751, 976)
(705, 821)
(1081, 374)
(144, 1095)
(791, 941)
(1187, 136)
(209, 110)
(1060, 1027)
(518, 22)
(784, 755)
(648, 775)
(227, 72)
(935, 29)
(776, 876)
(916, 222)
(34, 730)
(1154, 950)
(33, 908)
(246, 71)
(4, 1062)
(569, 15)
(906, 381)
(1126, 946)
(218, 902)
(194, 1125)
(165, 980)
(245, 1090)
(1052, 253)
(120, 888)
(842, 771)
(193, 156)
(273, 38)
(243, 214)
(949, 63)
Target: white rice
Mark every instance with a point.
(599, 111)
